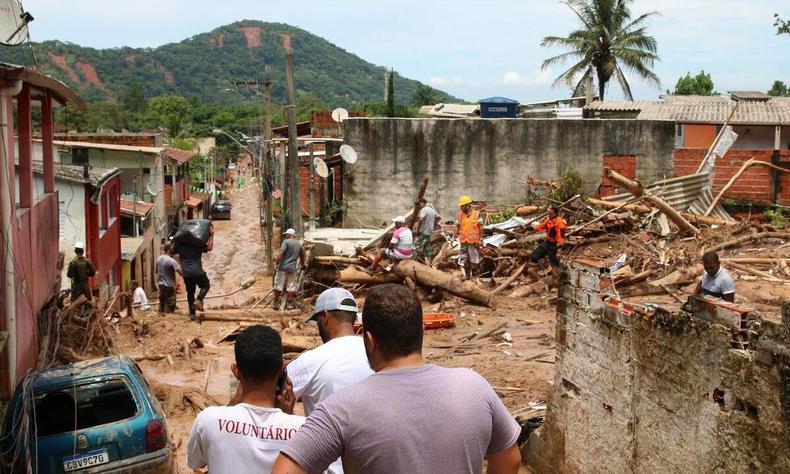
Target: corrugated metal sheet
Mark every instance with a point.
(691, 193)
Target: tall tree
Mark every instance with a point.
(782, 26)
(608, 42)
(391, 94)
(425, 95)
(779, 89)
(701, 84)
(133, 99)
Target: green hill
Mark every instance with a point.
(203, 66)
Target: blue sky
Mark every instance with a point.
(470, 48)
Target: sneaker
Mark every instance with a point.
(199, 305)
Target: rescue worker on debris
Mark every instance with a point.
(285, 279)
(716, 281)
(80, 270)
(470, 233)
(400, 247)
(555, 227)
(426, 221)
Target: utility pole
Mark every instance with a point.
(268, 175)
(295, 208)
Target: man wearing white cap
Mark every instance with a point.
(401, 246)
(291, 251)
(338, 363)
(80, 270)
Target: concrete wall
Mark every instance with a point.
(485, 158)
(652, 391)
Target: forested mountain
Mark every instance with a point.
(203, 66)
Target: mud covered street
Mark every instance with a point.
(519, 370)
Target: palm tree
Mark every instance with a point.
(609, 41)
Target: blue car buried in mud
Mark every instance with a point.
(97, 416)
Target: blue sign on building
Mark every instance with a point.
(498, 107)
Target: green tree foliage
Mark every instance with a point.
(390, 110)
(701, 84)
(782, 26)
(133, 99)
(425, 95)
(204, 66)
(779, 89)
(171, 112)
(608, 42)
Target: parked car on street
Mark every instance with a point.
(221, 209)
(97, 416)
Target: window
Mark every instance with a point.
(103, 212)
(112, 199)
(79, 156)
(84, 406)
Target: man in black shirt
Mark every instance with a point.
(192, 271)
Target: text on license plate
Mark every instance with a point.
(85, 460)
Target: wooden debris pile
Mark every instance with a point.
(652, 247)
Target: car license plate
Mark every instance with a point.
(85, 460)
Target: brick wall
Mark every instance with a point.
(623, 164)
(756, 184)
(142, 139)
(642, 390)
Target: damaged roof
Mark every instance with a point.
(76, 173)
(753, 109)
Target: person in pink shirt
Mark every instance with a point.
(400, 247)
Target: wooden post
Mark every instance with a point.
(311, 196)
(295, 207)
(24, 127)
(47, 137)
(267, 170)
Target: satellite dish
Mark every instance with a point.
(339, 114)
(348, 154)
(13, 22)
(320, 167)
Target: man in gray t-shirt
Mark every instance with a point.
(409, 416)
(291, 252)
(424, 226)
(166, 268)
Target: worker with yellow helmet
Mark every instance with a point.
(469, 232)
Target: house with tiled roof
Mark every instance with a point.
(762, 123)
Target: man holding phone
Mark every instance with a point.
(247, 436)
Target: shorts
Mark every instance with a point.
(423, 245)
(469, 252)
(393, 254)
(285, 281)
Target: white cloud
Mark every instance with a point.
(539, 78)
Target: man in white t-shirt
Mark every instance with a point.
(139, 298)
(716, 281)
(338, 363)
(247, 436)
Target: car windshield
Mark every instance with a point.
(97, 403)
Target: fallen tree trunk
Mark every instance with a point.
(751, 162)
(695, 218)
(755, 272)
(511, 279)
(427, 276)
(354, 275)
(527, 210)
(416, 211)
(635, 188)
(680, 277)
(747, 238)
(340, 260)
(756, 260)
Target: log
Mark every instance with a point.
(354, 275)
(527, 210)
(510, 279)
(640, 208)
(634, 279)
(340, 260)
(415, 212)
(599, 218)
(679, 277)
(637, 190)
(427, 276)
(693, 218)
(747, 238)
(758, 273)
(751, 162)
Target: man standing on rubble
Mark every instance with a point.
(426, 222)
(470, 233)
(555, 227)
(400, 247)
(340, 362)
(247, 436)
(166, 268)
(716, 281)
(80, 270)
(409, 416)
(285, 279)
(192, 270)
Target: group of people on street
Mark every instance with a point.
(372, 404)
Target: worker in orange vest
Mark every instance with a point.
(470, 233)
(555, 227)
